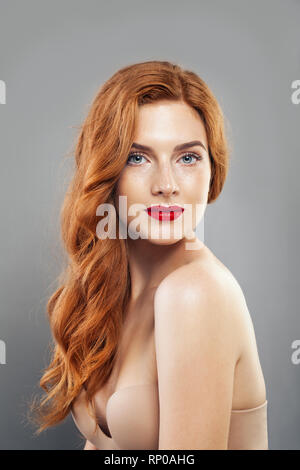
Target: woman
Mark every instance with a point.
(154, 347)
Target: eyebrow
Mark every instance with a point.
(186, 145)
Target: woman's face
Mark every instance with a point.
(159, 173)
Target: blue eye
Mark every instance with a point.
(133, 155)
(194, 155)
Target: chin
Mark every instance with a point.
(161, 238)
(164, 241)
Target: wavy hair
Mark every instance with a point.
(87, 310)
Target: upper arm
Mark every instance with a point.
(196, 354)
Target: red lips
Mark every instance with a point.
(165, 213)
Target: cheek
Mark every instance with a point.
(131, 185)
(196, 185)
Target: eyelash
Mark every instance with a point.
(185, 154)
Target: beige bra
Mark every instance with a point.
(132, 417)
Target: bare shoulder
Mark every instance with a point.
(205, 278)
(200, 311)
(207, 290)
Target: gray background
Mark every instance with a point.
(53, 58)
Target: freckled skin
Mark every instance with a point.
(164, 176)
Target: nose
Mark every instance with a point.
(164, 182)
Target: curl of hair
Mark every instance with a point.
(87, 310)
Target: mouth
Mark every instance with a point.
(165, 212)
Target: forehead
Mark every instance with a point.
(168, 121)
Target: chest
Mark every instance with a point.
(131, 390)
(135, 361)
(132, 418)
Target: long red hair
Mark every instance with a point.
(87, 310)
